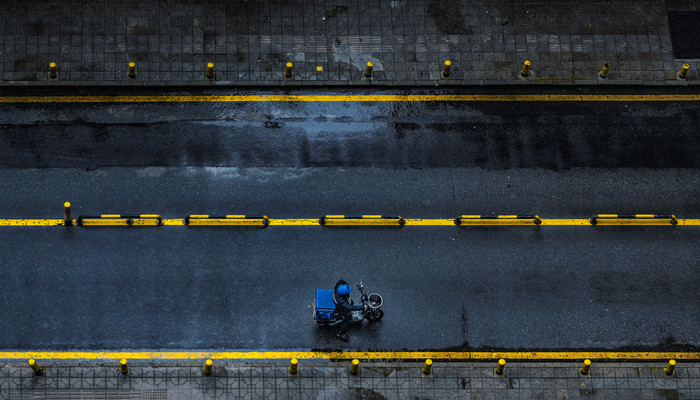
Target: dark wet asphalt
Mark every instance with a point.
(222, 288)
(552, 136)
(514, 288)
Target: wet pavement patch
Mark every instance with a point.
(685, 33)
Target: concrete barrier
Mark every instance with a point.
(119, 220)
(634, 219)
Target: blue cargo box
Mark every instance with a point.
(325, 306)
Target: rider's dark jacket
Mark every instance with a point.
(343, 305)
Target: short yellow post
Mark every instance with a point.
(447, 68)
(526, 69)
(67, 219)
(671, 367)
(683, 73)
(289, 70)
(605, 70)
(428, 366)
(132, 69)
(368, 69)
(210, 71)
(208, 366)
(586, 367)
(355, 367)
(52, 70)
(123, 368)
(294, 366)
(35, 367)
(501, 366)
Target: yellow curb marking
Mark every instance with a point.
(31, 222)
(409, 222)
(378, 356)
(350, 98)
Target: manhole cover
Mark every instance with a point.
(685, 33)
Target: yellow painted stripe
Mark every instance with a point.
(566, 221)
(430, 221)
(352, 98)
(31, 222)
(409, 222)
(332, 355)
(294, 221)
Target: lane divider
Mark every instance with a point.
(356, 98)
(119, 220)
(498, 220)
(363, 220)
(350, 355)
(28, 222)
(634, 219)
(227, 220)
(346, 220)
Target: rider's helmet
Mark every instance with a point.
(344, 289)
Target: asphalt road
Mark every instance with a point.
(445, 288)
(500, 135)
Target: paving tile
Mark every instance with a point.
(409, 40)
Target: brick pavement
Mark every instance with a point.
(249, 42)
(334, 381)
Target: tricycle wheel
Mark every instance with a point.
(376, 316)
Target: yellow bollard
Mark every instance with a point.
(428, 367)
(684, 71)
(132, 69)
(604, 71)
(355, 367)
(52, 70)
(586, 368)
(447, 69)
(501, 366)
(289, 70)
(210, 71)
(35, 367)
(671, 367)
(67, 220)
(123, 368)
(208, 366)
(368, 69)
(294, 366)
(526, 69)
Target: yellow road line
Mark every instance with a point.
(31, 222)
(332, 355)
(409, 222)
(294, 221)
(351, 98)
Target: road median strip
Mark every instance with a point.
(129, 220)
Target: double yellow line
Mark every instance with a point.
(340, 355)
(357, 98)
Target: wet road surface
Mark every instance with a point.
(445, 288)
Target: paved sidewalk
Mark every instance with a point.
(329, 43)
(334, 381)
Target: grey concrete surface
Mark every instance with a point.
(333, 381)
(171, 41)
